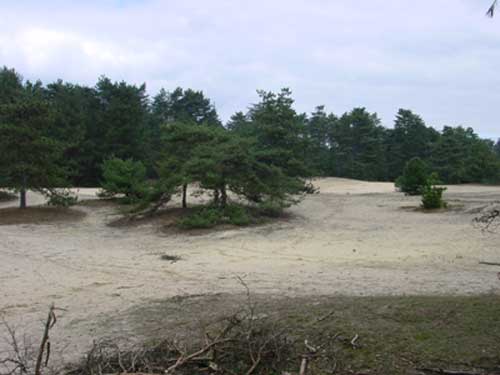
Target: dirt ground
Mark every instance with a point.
(353, 238)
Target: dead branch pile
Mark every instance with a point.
(243, 343)
(489, 220)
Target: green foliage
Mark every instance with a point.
(73, 115)
(410, 138)
(459, 156)
(61, 198)
(318, 131)
(279, 133)
(271, 208)
(237, 215)
(11, 86)
(432, 195)
(358, 146)
(30, 158)
(210, 216)
(256, 168)
(124, 177)
(202, 218)
(265, 153)
(414, 178)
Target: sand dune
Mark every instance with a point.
(354, 238)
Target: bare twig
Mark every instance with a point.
(488, 221)
(491, 10)
(354, 340)
(490, 263)
(45, 344)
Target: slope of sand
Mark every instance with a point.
(353, 238)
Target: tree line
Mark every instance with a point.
(63, 133)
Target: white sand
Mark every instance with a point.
(354, 238)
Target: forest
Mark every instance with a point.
(63, 134)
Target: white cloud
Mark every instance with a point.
(437, 57)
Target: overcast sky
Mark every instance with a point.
(440, 58)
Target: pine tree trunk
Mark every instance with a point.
(184, 194)
(223, 196)
(216, 197)
(22, 199)
(22, 193)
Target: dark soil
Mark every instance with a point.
(39, 215)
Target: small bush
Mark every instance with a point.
(211, 216)
(271, 208)
(399, 183)
(432, 195)
(124, 177)
(414, 177)
(62, 199)
(237, 215)
(205, 217)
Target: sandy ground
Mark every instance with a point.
(354, 238)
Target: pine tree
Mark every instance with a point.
(358, 146)
(318, 129)
(410, 138)
(30, 159)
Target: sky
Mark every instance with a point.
(439, 58)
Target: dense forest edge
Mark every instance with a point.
(63, 134)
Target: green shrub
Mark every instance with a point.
(414, 177)
(124, 177)
(432, 195)
(399, 183)
(202, 218)
(271, 208)
(62, 198)
(211, 216)
(237, 215)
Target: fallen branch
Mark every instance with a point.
(353, 341)
(182, 360)
(490, 263)
(488, 221)
(448, 372)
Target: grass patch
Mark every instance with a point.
(402, 333)
(397, 335)
(39, 215)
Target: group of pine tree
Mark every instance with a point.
(64, 134)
